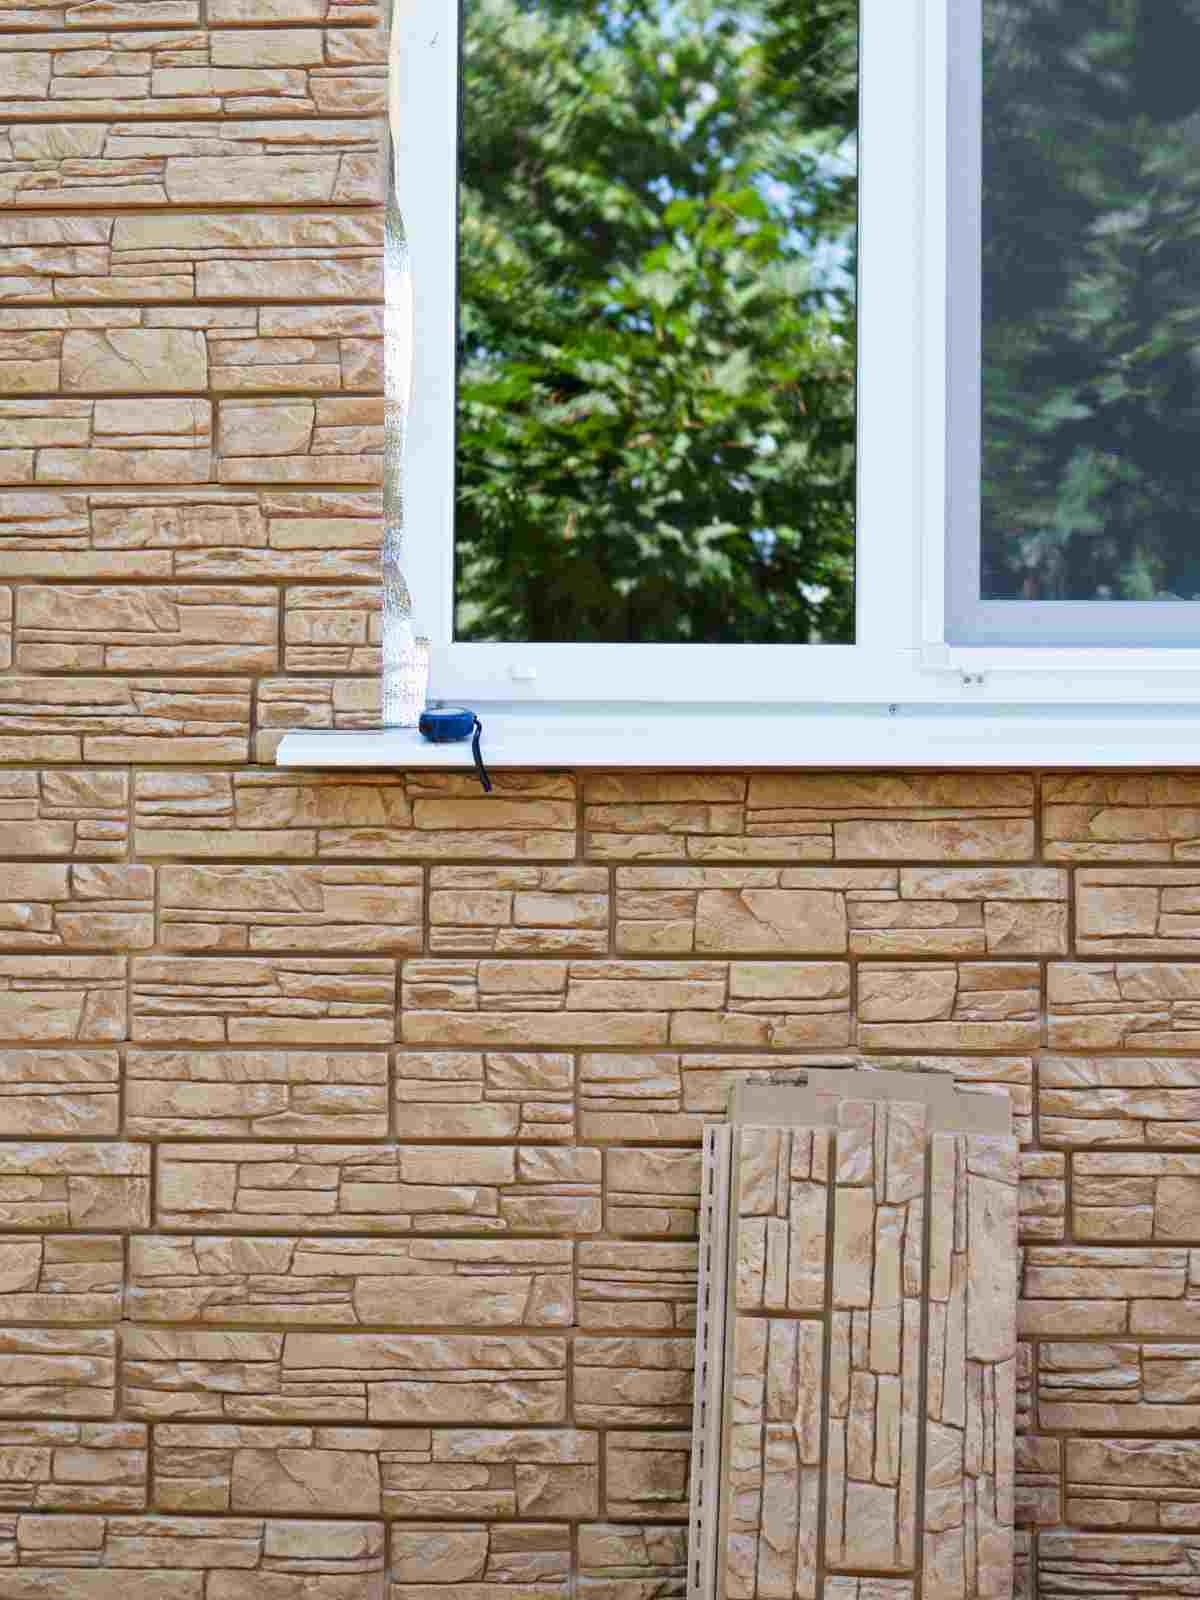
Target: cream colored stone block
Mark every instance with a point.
(278, 908)
(44, 1093)
(964, 1006)
(240, 1093)
(61, 1278)
(340, 1282)
(523, 1095)
(243, 1000)
(74, 1185)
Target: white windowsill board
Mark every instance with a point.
(656, 736)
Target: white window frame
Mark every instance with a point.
(902, 651)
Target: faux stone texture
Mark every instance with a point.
(341, 1283)
(380, 1188)
(227, 1126)
(189, 533)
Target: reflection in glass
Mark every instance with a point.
(657, 321)
(1091, 300)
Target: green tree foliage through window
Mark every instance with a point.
(1091, 308)
(657, 321)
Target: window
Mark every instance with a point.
(801, 352)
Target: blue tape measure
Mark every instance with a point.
(448, 724)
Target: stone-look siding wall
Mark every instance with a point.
(349, 1124)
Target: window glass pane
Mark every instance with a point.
(1091, 300)
(656, 391)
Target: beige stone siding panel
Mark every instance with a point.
(228, 1128)
(81, 1467)
(631, 1561)
(46, 1093)
(1094, 1101)
(270, 1281)
(382, 1188)
(823, 910)
(63, 813)
(1132, 817)
(61, 1278)
(247, 1093)
(259, 908)
(519, 910)
(194, 72)
(524, 1095)
(331, 817)
(481, 1561)
(201, 533)
(411, 1378)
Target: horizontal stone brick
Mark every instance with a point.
(897, 816)
(245, 1000)
(158, 440)
(1137, 911)
(524, 1095)
(1134, 1483)
(380, 1188)
(402, 1472)
(240, 1093)
(99, 350)
(829, 910)
(271, 161)
(73, 1466)
(184, 628)
(625, 1381)
(1103, 1564)
(333, 629)
(963, 1006)
(74, 1185)
(416, 1379)
(481, 1561)
(667, 1097)
(338, 817)
(1124, 1005)
(191, 1558)
(44, 1093)
(82, 815)
(267, 908)
(1037, 1495)
(652, 1191)
(1123, 1388)
(1111, 816)
(58, 1372)
(518, 910)
(322, 1282)
(1042, 1195)
(646, 1474)
(215, 256)
(557, 1003)
(1136, 1195)
(1118, 1100)
(61, 1278)
(1079, 1290)
(803, 817)
(200, 533)
(302, 71)
(338, 703)
(326, 440)
(53, 907)
(623, 1561)
(124, 719)
(45, 999)
(267, 11)
(676, 816)
(639, 1287)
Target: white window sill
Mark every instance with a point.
(800, 736)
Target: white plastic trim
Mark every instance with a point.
(765, 737)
